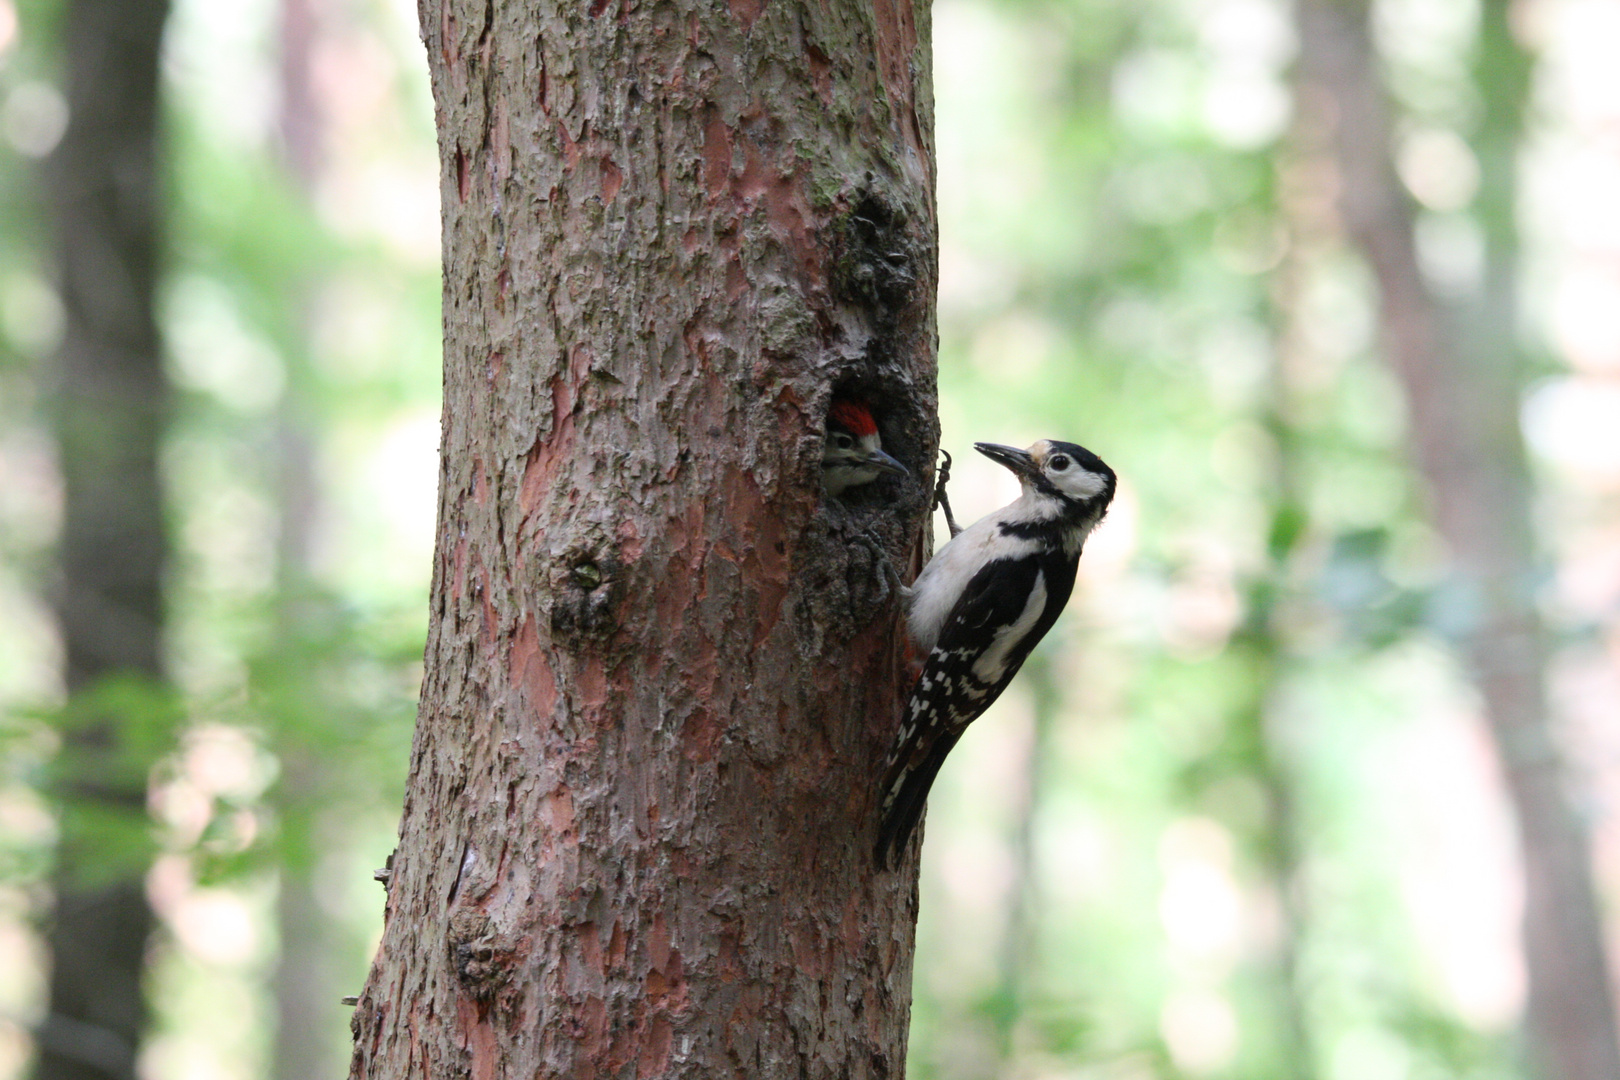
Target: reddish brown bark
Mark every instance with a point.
(661, 670)
(1460, 371)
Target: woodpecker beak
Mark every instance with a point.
(879, 460)
(1019, 461)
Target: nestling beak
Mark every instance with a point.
(1019, 461)
(879, 460)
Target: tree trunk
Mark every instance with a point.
(109, 416)
(1462, 389)
(662, 670)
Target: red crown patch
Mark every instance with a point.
(853, 416)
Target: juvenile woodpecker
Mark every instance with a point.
(979, 607)
(852, 454)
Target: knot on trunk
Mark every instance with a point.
(875, 259)
(586, 585)
(483, 962)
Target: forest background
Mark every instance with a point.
(1242, 816)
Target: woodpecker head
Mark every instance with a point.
(1070, 478)
(853, 452)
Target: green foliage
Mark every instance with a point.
(94, 753)
(1132, 276)
(294, 339)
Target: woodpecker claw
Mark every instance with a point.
(892, 584)
(941, 500)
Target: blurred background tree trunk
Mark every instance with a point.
(1462, 371)
(111, 402)
(661, 672)
(308, 1039)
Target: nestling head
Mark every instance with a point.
(852, 453)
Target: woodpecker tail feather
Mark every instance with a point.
(905, 791)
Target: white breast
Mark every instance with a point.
(941, 582)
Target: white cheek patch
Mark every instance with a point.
(1080, 483)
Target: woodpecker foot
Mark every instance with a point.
(941, 500)
(893, 585)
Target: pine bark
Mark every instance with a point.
(662, 669)
(1461, 372)
(110, 412)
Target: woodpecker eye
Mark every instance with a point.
(841, 441)
(1058, 463)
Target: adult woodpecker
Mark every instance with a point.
(979, 607)
(852, 453)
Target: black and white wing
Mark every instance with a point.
(1004, 610)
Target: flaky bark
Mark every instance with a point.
(661, 672)
(109, 404)
(1461, 373)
